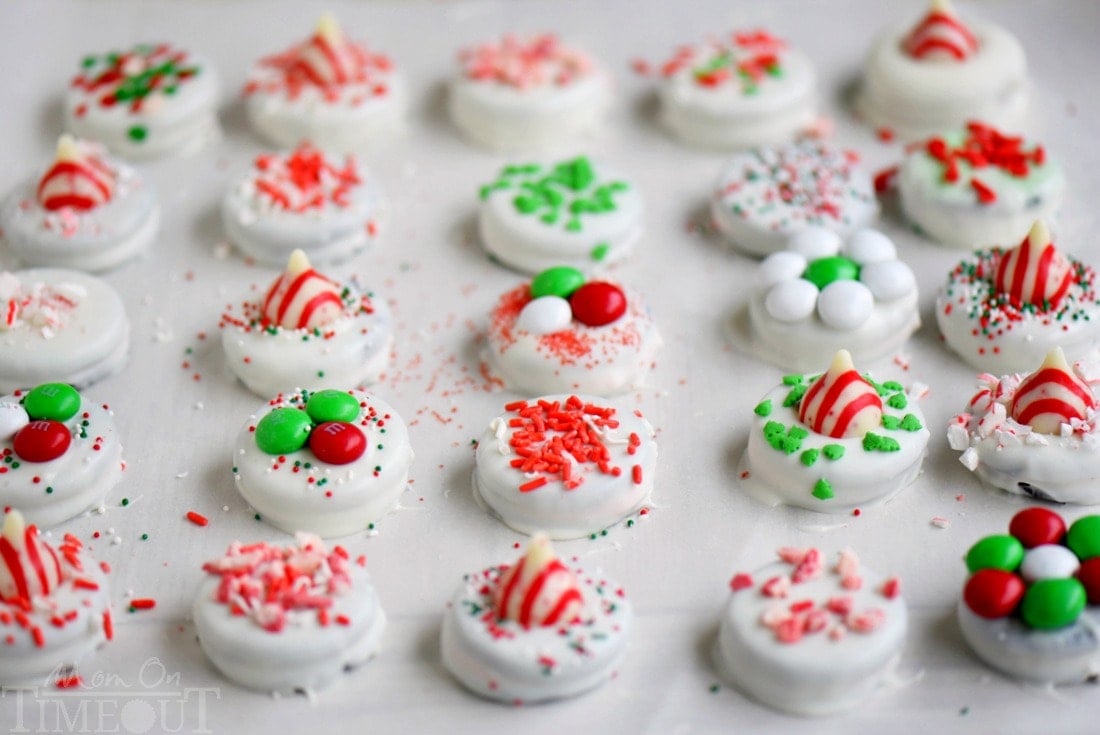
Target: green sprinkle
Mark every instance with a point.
(833, 451)
(810, 456)
(793, 379)
(630, 523)
(893, 385)
(49, 489)
(124, 502)
(144, 537)
(370, 526)
(257, 517)
(714, 688)
(875, 443)
(823, 489)
(794, 396)
(764, 408)
(600, 252)
(890, 422)
(897, 401)
(911, 423)
(137, 133)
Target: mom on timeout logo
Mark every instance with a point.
(152, 700)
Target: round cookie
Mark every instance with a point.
(87, 211)
(567, 465)
(766, 195)
(978, 187)
(328, 462)
(306, 201)
(1035, 434)
(55, 609)
(834, 442)
(810, 638)
(1002, 311)
(561, 333)
(59, 454)
(535, 631)
(528, 94)
(934, 76)
(59, 325)
(824, 294)
(148, 101)
(307, 331)
(328, 90)
(576, 213)
(743, 90)
(1029, 607)
(263, 635)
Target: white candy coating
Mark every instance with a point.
(1049, 561)
(870, 246)
(815, 242)
(888, 280)
(785, 265)
(13, 417)
(791, 301)
(845, 305)
(545, 315)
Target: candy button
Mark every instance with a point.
(1084, 537)
(889, 280)
(815, 241)
(282, 431)
(337, 443)
(993, 593)
(1089, 576)
(545, 315)
(1037, 526)
(598, 303)
(845, 305)
(823, 271)
(559, 281)
(41, 441)
(870, 246)
(332, 405)
(791, 301)
(56, 401)
(779, 267)
(1049, 561)
(995, 552)
(13, 417)
(1053, 603)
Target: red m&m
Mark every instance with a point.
(1037, 526)
(598, 303)
(41, 441)
(336, 442)
(993, 593)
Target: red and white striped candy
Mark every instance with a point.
(538, 589)
(941, 35)
(78, 178)
(1051, 396)
(1034, 272)
(841, 404)
(29, 566)
(302, 298)
(328, 58)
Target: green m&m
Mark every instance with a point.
(282, 431)
(52, 401)
(824, 271)
(332, 405)
(1053, 603)
(1083, 537)
(559, 281)
(995, 552)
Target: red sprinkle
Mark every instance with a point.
(143, 603)
(197, 518)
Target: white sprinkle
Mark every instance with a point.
(940, 522)
(198, 405)
(116, 541)
(181, 475)
(225, 508)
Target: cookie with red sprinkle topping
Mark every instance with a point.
(935, 72)
(539, 629)
(328, 462)
(564, 331)
(978, 187)
(287, 619)
(1028, 607)
(55, 608)
(811, 635)
(569, 465)
(328, 89)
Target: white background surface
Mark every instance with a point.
(675, 565)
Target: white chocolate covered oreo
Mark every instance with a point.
(535, 631)
(330, 462)
(567, 465)
(810, 637)
(766, 195)
(741, 90)
(528, 94)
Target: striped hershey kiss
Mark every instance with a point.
(328, 59)
(1051, 396)
(538, 589)
(301, 298)
(78, 178)
(841, 404)
(29, 567)
(1034, 272)
(941, 36)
